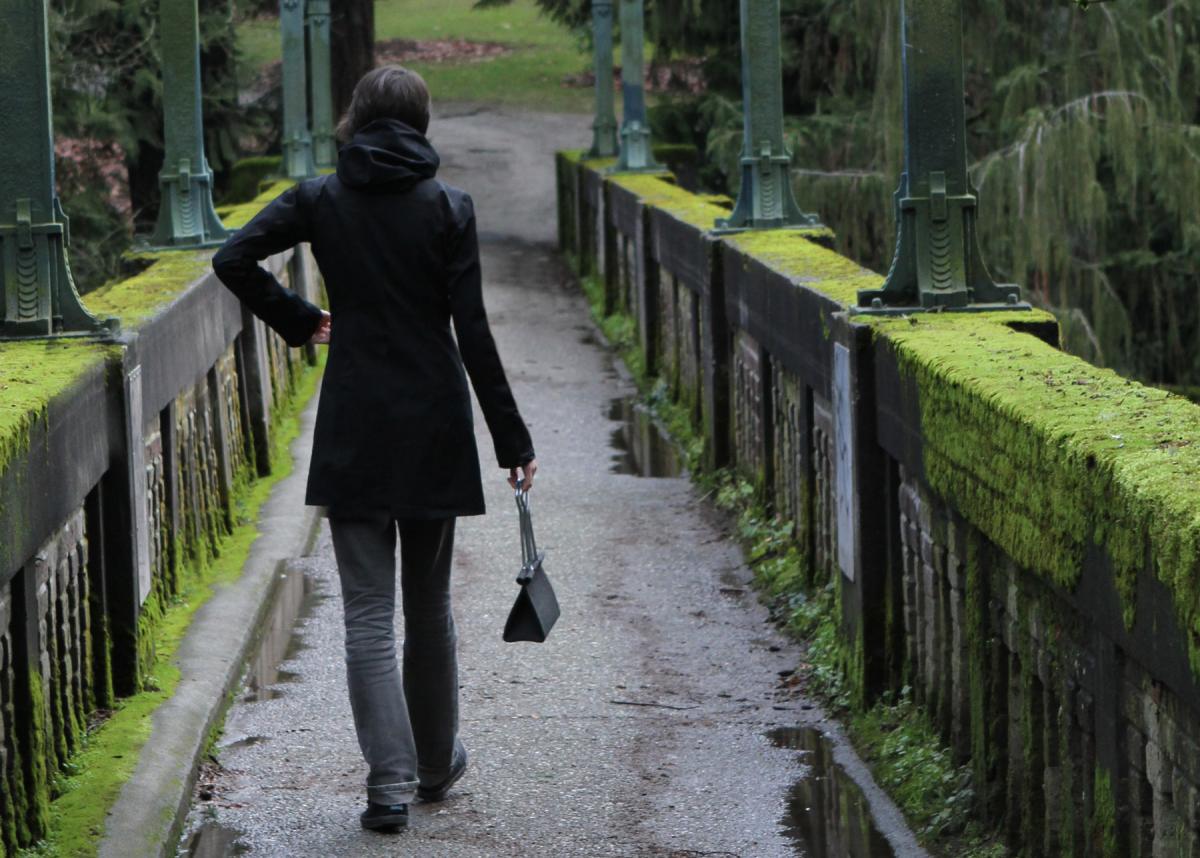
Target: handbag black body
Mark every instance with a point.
(536, 608)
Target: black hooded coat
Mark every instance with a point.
(400, 258)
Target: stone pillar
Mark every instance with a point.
(937, 262)
(604, 128)
(320, 81)
(186, 217)
(37, 292)
(297, 141)
(766, 199)
(636, 153)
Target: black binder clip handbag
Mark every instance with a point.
(536, 608)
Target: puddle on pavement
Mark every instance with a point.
(643, 448)
(211, 840)
(294, 598)
(827, 814)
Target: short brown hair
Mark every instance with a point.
(388, 92)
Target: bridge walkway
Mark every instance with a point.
(641, 727)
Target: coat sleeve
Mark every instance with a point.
(510, 436)
(276, 228)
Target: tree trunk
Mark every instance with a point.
(353, 38)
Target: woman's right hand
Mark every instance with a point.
(527, 471)
(320, 336)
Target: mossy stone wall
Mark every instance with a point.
(1023, 528)
(75, 621)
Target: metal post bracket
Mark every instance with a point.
(765, 199)
(38, 298)
(937, 265)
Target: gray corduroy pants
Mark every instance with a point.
(407, 727)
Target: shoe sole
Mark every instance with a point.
(384, 823)
(434, 796)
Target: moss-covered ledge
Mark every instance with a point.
(32, 374)
(657, 190)
(169, 273)
(1048, 455)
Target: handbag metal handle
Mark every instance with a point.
(529, 552)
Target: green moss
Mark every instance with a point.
(235, 217)
(37, 781)
(31, 375)
(1047, 455)
(793, 253)
(247, 175)
(169, 273)
(657, 191)
(1103, 827)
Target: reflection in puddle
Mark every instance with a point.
(211, 840)
(294, 596)
(827, 814)
(643, 448)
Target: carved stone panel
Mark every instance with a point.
(824, 506)
(9, 776)
(747, 404)
(790, 484)
(61, 585)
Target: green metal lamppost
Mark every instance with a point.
(636, 152)
(297, 141)
(938, 265)
(186, 217)
(604, 128)
(321, 81)
(37, 292)
(765, 199)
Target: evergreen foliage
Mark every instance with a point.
(107, 92)
(1084, 137)
(1083, 134)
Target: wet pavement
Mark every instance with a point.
(642, 446)
(648, 724)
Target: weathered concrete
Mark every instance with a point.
(639, 728)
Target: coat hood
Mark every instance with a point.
(387, 156)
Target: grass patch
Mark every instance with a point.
(531, 76)
(94, 777)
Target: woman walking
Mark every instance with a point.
(394, 446)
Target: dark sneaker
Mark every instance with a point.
(440, 791)
(384, 817)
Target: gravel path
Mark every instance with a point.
(640, 728)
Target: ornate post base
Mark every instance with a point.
(937, 265)
(186, 216)
(765, 200)
(637, 155)
(298, 160)
(39, 293)
(604, 139)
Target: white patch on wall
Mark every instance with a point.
(843, 441)
(136, 445)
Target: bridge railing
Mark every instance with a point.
(122, 473)
(1012, 533)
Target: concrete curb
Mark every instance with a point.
(147, 818)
